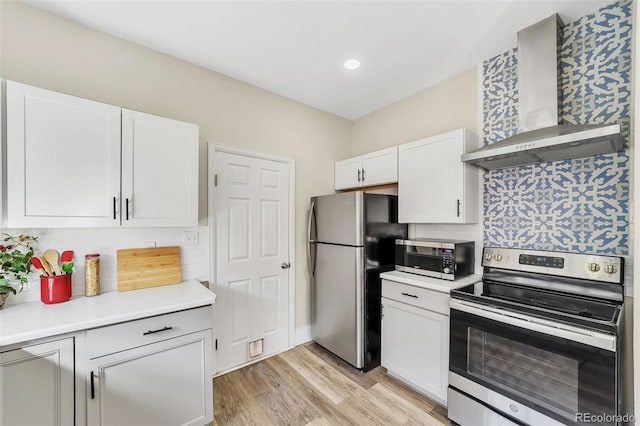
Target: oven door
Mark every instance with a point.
(501, 359)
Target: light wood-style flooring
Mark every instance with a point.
(310, 386)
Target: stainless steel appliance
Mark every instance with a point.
(351, 241)
(541, 136)
(537, 341)
(445, 259)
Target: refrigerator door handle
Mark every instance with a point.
(309, 240)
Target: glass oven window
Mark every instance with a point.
(546, 378)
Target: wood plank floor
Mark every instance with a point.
(310, 386)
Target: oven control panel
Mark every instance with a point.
(575, 265)
(546, 261)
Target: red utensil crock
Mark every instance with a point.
(55, 289)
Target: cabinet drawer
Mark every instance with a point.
(416, 296)
(114, 338)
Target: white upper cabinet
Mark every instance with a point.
(159, 171)
(348, 173)
(375, 168)
(72, 162)
(434, 185)
(63, 159)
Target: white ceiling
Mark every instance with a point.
(297, 48)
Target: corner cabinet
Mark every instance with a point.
(73, 162)
(415, 337)
(374, 168)
(434, 185)
(37, 384)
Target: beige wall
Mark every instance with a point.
(448, 105)
(43, 50)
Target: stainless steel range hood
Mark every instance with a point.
(541, 138)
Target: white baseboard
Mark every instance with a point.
(303, 335)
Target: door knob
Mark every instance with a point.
(285, 265)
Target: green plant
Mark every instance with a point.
(15, 264)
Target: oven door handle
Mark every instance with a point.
(575, 334)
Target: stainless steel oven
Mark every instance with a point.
(537, 341)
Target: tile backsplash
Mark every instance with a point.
(106, 241)
(579, 205)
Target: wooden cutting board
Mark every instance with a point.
(148, 267)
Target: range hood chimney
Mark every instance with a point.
(540, 137)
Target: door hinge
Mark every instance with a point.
(215, 180)
(381, 311)
(216, 344)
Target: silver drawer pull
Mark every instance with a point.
(409, 295)
(157, 331)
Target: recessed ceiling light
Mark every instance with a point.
(352, 64)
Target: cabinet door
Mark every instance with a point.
(415, 347)
(63, 159)
(37, 384)
(165, 383)
(159, 171)
(380, 167)
(432, 180)
(348, 173)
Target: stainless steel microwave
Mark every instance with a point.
(445, 259)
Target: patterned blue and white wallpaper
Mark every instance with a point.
(577, 205)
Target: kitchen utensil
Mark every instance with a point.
(66, 256)
(36, 262)
(65, 259)
(148, 267)
(67, 267)
(45, 265)
(52, 257)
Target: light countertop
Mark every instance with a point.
(34, 320)
(436, 284)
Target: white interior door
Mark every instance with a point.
(251, 202)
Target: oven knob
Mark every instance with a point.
(498, 257)
(488, 256)
(610, 269)
(593, 267)
(446, 270)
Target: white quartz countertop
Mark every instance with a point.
(35, 320)
(436, 284)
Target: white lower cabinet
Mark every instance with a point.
(162, 377)
(415, 337)
(164, 383)
(37, 384)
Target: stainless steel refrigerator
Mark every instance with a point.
(351, 240)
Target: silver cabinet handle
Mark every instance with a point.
(458, 207)
(358, 175)
(409, 295)
(363, 175)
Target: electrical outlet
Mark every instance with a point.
(149, 244)
(190, 238)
